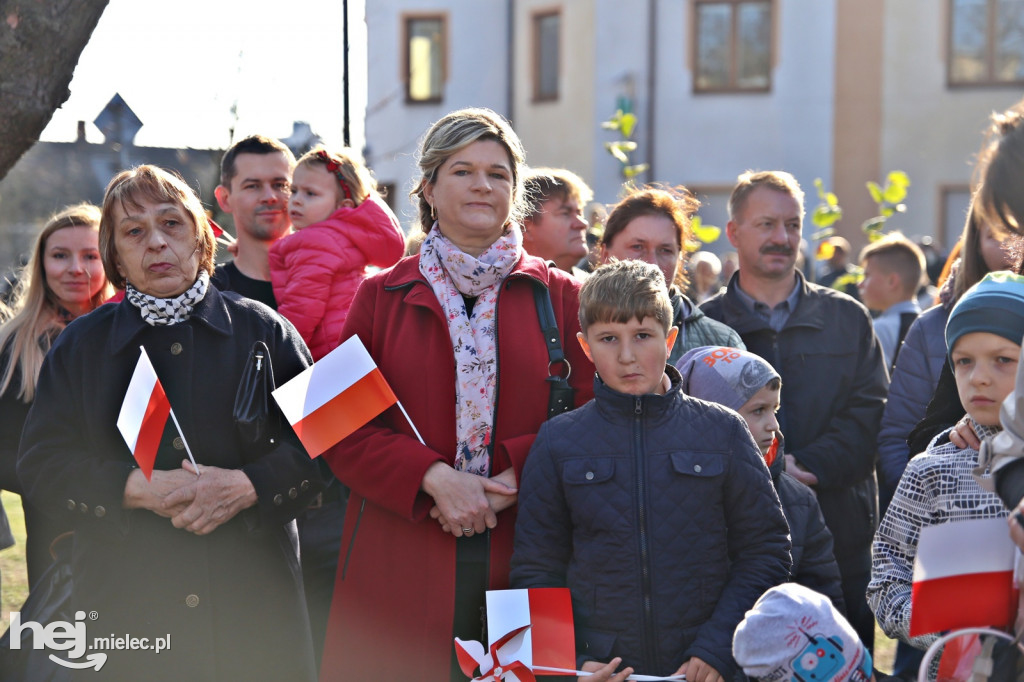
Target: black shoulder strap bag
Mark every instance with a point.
(561, 398)
(257, 424)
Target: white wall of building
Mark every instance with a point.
(931, 132)
(928, 130)
(709, 139)
(558, 133)
(477, 66)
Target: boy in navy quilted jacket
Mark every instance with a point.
(655, 509)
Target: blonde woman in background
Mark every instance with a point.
(62, 280)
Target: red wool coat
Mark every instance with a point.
(394, 594)
(316, 271)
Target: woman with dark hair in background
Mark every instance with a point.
(653, 225)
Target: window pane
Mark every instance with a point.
(970, 21)
(1009, 48)
(547, 56)
(753, 52)
(425, 58)
(713, 29)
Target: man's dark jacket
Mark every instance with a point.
(834, 386)
(814, 563)
(658, 513)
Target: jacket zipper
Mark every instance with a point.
(645, 568)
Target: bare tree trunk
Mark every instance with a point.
(40, 43)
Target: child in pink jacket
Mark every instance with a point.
(342, 225)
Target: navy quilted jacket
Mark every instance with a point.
(659, 515)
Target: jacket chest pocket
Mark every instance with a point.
(690, 494)
(598, 498)
(699, 465)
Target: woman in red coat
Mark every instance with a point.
(455, 331)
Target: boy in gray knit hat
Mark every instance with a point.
(745, 382)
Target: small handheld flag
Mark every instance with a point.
(143, 416)
(530, 634)
(960, 558)
(337, 395)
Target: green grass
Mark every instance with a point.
(15, 581)
(12, 562)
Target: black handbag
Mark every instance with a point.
(255, 421)
(561, 397)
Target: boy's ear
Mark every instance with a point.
(670, 340)
(583, 344)
(895, 281)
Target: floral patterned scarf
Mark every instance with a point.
(452, 274)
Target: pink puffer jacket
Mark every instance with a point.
(316, 271)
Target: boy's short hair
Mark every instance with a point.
(994, 305)
(896, 253)
(624, 290)
(727, 376)
(542, 184)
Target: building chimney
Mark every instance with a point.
(80, 139)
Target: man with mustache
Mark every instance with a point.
(834, 381)
(255, 182)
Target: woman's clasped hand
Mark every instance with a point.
(464, 503)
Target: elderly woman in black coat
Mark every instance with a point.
(203, 558)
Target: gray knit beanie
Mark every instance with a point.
(794, 633)
(727, 376)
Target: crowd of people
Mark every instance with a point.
(695, 460)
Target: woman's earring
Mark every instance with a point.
(433, 212)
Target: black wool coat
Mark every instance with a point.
(231, 601)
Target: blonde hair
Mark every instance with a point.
(455, 132)
(895, 253)
(160, 186)
(354, 179)
(35, 317)
(624, 290)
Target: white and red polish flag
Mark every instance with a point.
(337, 395)
(963, 577)
(530, 632)
(144, 414)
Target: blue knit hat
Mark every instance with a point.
(994, 305)
(727, 376)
